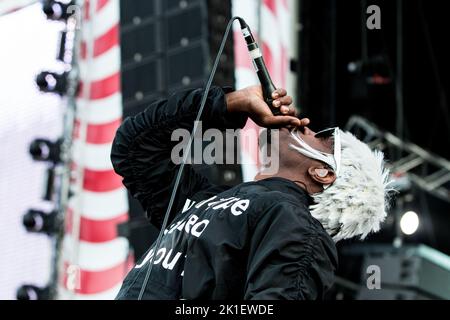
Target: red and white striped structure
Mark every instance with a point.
(95, 259)
(8, 6)
(274, 37)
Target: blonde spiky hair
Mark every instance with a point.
(355, 204)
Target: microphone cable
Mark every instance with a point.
(188, 151)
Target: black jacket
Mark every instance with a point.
(253, 241)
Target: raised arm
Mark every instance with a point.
(141, 151)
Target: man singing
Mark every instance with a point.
(273, 238)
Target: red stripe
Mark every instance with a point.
(73, 173)
(107, 41)
(100, 5)
(103, 43)
(106, 87)
(86, 10)
(102, 88)
(271, 4)
(76, 130)
(92, 282)
(96, 230)
(101, 181)
(99, 133)
(83, 50)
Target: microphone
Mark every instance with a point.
(260, 66)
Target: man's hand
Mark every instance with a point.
(250, 100)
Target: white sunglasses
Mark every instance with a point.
(332, 160)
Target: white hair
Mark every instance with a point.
(356, 203)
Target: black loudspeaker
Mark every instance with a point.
(158, 38)
(411, 272)
(168, 45)
(390, 294)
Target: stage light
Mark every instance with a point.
(39, 221)
(45, 150)
(30, 292)
(52, 82)
(58, 10)
(409, 222)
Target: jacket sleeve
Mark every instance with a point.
(141, 151)
(289, 258)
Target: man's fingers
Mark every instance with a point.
(304, 122)
(283, 101)
(284, 110)
(281, 121)
(279, 93)
(288, 110)
(284, 121)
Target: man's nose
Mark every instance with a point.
(309, 132)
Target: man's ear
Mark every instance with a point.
(322, 175)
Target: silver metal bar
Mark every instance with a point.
(415, 156)
(410, 147)
(64, 170)
(407, 163)
(438, 181)
(441, 193)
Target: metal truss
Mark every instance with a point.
(422, 168)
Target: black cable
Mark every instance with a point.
(188, 150)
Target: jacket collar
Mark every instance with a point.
(286, 186)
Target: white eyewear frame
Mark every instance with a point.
(332, 160)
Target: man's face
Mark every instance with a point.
(291, 158)
(307, 168)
